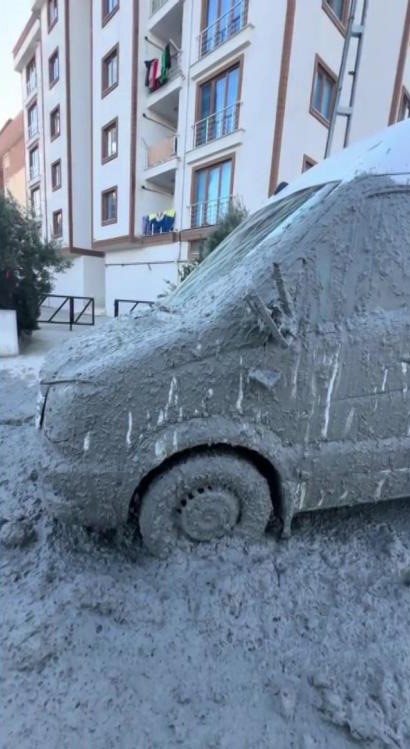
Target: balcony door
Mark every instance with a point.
(223, 19)
(218, 106)
(213, 193)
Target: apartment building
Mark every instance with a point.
(12, 159)
(145, 119)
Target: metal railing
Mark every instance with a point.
(217, 125)
(161, 152)
(31, 84)
(32, 130)
(223, 28)
(157, 5)
(34, 171)
(68, 306)
(209, 212)
(133, 302)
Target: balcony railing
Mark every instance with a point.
(156, 5)
(34, 171)
(217, 125)
(32, 130)
(209, 212)
(223, 28)
(31, 85)
(161, 152)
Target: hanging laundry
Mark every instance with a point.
(157, 70)
(148, 64)
(161, 222)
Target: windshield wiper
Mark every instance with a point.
(279, 318)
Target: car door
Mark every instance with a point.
(358, 435)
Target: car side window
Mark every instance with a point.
(385, 249)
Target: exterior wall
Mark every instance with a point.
(115, 104)
(12, 159)
(85, 277)
(80, 121)
(141, 274)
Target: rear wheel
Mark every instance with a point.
(202, 498)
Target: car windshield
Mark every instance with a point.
(242, 241)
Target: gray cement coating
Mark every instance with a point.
(298, 644)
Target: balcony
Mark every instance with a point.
(31, 85)
(159, 225)
(32, 130)
(217, 125)
(161, 162)
(161, 152)
(166, 20)
(223, 28)
(209, 212)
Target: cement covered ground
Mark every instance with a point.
(299, 644)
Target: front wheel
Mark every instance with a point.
(203, 498)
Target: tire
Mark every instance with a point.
(203, 498)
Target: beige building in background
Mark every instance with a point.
(145, 119)
(13, 159)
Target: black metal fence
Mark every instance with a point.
(68, 311)
(133, 302)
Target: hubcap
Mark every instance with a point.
(208, 513)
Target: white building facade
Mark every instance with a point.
(169, 110)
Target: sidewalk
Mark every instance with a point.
(34, 348)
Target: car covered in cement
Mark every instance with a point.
(274, 380)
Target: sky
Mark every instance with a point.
(14, 16)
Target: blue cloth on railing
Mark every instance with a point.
(158, 223)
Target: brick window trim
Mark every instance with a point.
(106, 16)
(51, 25)
(105, 158)
(341, 24)
(54, 164)
(53, 82)
(54, 111)
(321, 65)
(108, 221)
(55, 215)
(105, 90)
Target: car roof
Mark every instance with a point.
(387, 152)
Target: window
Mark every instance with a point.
(109, 7)
(32, 121)
(52, 13)
(57, 224)
(110, 70)
(31, 76)
(109, 206)
(53, 69)
(109, 146)
(56, 175)
(404, 111)
(223, 19)
(323, 92)
(212, 193)
(218, 106)
(307, 163)
(337, 10)
(35, 203)
(34, 162)
(55, 123)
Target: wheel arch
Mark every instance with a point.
(264, 465)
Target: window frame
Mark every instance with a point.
(53, 55)
(307, 163)
(105, 89)
(208, 166)
(236, 64)
(56, 187)
(104, 156)
(340, 23)
(104, 193)
(106, 15)
(51, 24)
(30, 152)
(54, 135)
(58, 212)
(31, 64)
(33, 105)
(404, 103)
(33, 190)
(320, 65)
